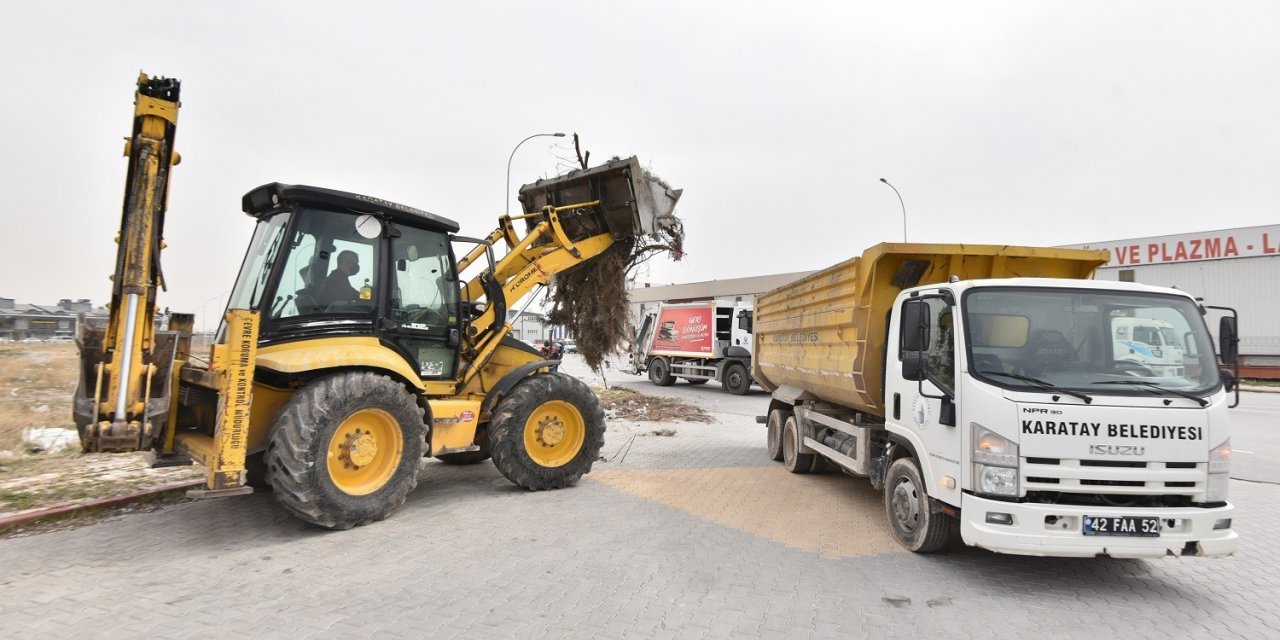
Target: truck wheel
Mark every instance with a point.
(736, 379)
(470, 457)
(792, 459)
(547, 432)
(660, 373)
(907, 505)
(777, 418)
(344, 450)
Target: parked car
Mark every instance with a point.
(570, 346)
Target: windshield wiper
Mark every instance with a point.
(1042, 384)
(1157, 389)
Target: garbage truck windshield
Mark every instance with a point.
(1095, 341)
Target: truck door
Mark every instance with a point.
(921, 390)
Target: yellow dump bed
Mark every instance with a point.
(825, 333)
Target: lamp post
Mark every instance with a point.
(507, 193)
(904, 209)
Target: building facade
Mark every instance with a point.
(43, 322)
(1236, 268)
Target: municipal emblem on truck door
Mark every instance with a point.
(920, 411)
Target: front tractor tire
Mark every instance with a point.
(547, 432)
(344, 450)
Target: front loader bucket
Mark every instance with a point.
(632, 201)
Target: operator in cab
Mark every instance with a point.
(337, 286)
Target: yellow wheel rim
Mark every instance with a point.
(554, 433)
(365, 451)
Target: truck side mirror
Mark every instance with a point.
(1228, 340)
(915, 326)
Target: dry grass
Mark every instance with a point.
(625, 404)
(37, 383)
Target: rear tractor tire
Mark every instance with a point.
(547, 432)
(344, 450)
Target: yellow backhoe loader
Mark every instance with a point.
(351, 346)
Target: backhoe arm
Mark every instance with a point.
(120, 363)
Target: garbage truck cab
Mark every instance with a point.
(1153, 344)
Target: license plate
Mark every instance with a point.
(1122, 526)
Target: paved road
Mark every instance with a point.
(694, 535)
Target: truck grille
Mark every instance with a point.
(1113, 477)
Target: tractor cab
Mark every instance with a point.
(326, 263)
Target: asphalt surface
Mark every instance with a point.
(695, 535)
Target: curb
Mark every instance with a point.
(1259, 389)
(101, 503)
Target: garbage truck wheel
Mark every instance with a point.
(660, 373)
(906, 502)
(736, 379)
(777, 418)
(344, 450)
(547, 432)
(792, 459)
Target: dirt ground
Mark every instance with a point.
(626, 404)
(37, 382)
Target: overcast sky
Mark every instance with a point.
(1000, 122)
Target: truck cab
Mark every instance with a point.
(1057, 417)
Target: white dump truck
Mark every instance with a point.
(697, 342)
(983, 385)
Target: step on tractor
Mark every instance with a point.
(352, 346)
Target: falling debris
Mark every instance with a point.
(591, 301)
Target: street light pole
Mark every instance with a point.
(904, 209)
(507, 193)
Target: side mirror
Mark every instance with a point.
(915, 326)
(1228, 340)
(912, 366)
(1229, 381)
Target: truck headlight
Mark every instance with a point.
(1000, 481)
(992, 448)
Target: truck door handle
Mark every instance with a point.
(897, 406)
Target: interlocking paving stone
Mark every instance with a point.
(695, 535)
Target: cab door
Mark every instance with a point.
(422, 317)
(921, 392)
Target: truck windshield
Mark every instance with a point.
(1099, 342)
